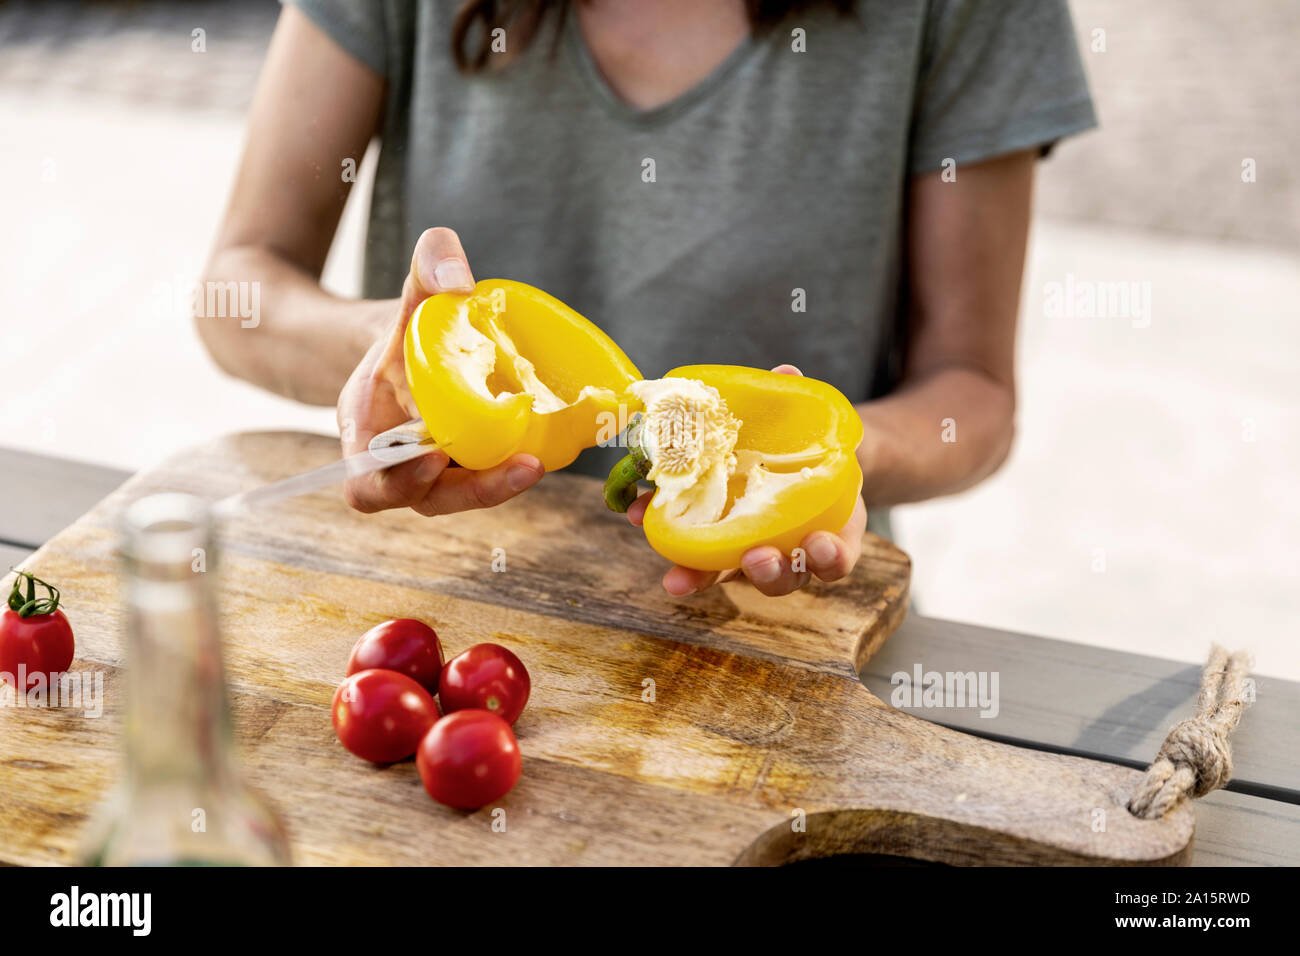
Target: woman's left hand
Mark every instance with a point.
(829, 556)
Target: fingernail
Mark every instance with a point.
(452, 275)
(822, 550)
(520, 477)
(765, 571)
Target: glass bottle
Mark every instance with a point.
(181, 800)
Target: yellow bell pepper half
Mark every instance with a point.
(508, 368)
(740, 457)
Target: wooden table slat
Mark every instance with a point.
(43, 494)
(12, 556)
(1090, 701)
(1235, 829)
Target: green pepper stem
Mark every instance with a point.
(620, 486)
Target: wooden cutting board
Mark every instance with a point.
(757, 720)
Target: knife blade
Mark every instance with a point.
(406, 442)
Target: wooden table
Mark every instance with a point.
(1055, 696)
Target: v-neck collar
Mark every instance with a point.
(664, 112)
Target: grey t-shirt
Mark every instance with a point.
(697, 231)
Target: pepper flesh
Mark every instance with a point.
(793, 467)
(508, 368)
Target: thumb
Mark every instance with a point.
(438, 264)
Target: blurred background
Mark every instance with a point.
(1150, 502)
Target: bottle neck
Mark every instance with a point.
(177, 723)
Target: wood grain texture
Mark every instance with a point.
(758, 716)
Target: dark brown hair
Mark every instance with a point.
(471, 32)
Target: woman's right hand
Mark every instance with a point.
(376, 398)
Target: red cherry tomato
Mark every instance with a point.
(381, 716)
(485, 677)
(469, 759)
(35, 636)
(403, 645)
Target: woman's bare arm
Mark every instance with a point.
(966, 251)
(315, 106)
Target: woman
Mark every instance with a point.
(840, 186)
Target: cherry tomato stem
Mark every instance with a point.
(29, 605)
